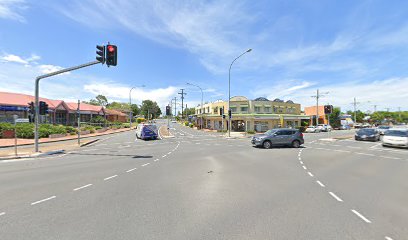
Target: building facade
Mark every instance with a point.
(60, 112)
(311, 111)
(257, 115)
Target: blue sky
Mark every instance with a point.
(347, 48)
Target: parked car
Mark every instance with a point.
(382, 129)
(174, 121)
(279, 137)
(344, 127)
(146, 131)
(396, 137)
(312, 129)
(324, 127)
(368, 134)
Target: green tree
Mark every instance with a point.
(99, 100)
(334, 117)
(359, 115)
(189, 111)
(135, 109)
(151, 108)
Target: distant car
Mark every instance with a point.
(382, 129)
(312, 129)
(396, 137)
(278, 137)
(345, 127)
(358, 125)
(146, 131)
(325, 127)
(368, 134)
(174, 121)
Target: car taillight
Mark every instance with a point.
(301, 134)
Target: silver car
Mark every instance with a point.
(279, 136)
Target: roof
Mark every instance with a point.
(239, 98)
(19, 99)
(72, 106)
(114, 112)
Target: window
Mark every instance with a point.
(233, 109)
(275, 109)
(216, 110)
(244, 109)
(257, 109)
(267, 109)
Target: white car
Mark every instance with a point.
(396, 137)
(324, 127)
(382, 129)
(312, 129)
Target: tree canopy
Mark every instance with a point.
(151, 108)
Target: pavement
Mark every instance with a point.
(200, 185)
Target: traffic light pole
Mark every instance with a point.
(37, 90)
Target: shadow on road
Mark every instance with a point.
(113, 155)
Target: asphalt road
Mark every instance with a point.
(201, 186)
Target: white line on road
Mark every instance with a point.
(388, 238)
(320, 183)
(304, 167)
(85, 186)
(130, 170)
(390, 157)
(164, 156)
(168, 153)
(156, 160)
(366, 154)
(335, 197)
(337, 150)
(353, 147)
(361, 216)
(43, 200)
(321, 148)
(301, 162)
(2, 213)
(145, 164)
(310, 174)
(110, 177)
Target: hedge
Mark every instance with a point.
(5, 126)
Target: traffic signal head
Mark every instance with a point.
(100, 53)
(229, 113)
(111, 55)
(31, 109)
(221, 111)
(328, 109)
(167, 110)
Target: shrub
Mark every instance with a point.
(5, 126)
(25, 130)
(186, 124)
(139, 120)
(70, 129)
(98, 127)
(126, 125)
(251, 132)
(98, 119)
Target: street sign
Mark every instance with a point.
(22, 120)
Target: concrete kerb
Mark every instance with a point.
(161, 136)
(35, 155)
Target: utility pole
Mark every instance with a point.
(317, 96)
(182, 93)
(79, 123)
(375, 108)
(175, 107)
(399, 112)
(355, 103)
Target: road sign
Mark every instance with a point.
(22, 120)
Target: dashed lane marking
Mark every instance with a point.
(310, 174)
(390, 157)
(320, 183)
(164, 156)
(388, 238)
(2, 213)
(366, 154)
(301, 162)
(304, 167)
(353, 147)
(335, 197)
(105, 179)
(345, 151)
(156, 160)
(145, 164)
(131, 170)
(361, 216)
(169, 153)
(79, 188)
(43, 200)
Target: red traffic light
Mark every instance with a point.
(111, 48)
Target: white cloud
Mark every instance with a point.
(45, 69)
(13, 58)
(11, 9)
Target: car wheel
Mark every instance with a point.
(296, 144)
(267, 144)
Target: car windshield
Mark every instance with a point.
(270, 132)
(384, 127)
(396, 133)
(367, 131)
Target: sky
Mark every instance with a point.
(345, 49)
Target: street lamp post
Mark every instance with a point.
(130, 105)
(201, 106)
(229, 92)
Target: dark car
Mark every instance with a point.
(368, 134)
(279, 137)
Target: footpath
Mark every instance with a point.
(53, 146)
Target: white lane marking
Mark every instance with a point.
(2, 213)
(130, 170)
(336, 145)
(361, 216)
(337, 150)
(110, 177)
(168, 153)
(301, 162)
(164, 156)
(353, 147)
(198, 143)
(321, 148)
(388, 238)
(310, 174)
(390, 157)
(156, 160)
(304, 167)
(335, 197)
(85, 186)
(145, 164)
(43, 200)
(320, 183)
(366, 154)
